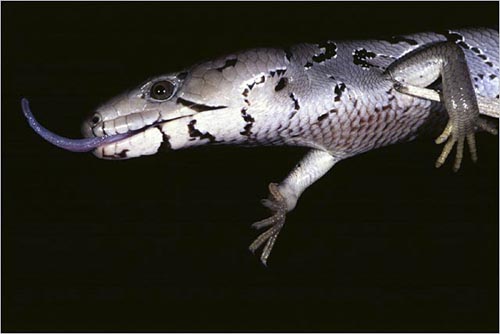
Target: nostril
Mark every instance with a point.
(90, 126)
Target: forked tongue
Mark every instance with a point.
(73, 145)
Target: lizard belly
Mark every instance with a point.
(349, 121)
(367, 127)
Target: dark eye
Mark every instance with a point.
(162, 90)
(96, 118)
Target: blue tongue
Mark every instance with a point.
(73, 145)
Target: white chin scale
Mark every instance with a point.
(146, 142)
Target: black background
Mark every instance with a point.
(384, 242)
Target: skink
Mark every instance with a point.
(339, 98)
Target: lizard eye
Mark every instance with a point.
(162, 90)
(96, 118)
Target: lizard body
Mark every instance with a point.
(339, 98)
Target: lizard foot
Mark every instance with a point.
(455, 134)
(277, 204)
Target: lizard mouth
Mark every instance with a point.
(84, 144)
(73, 145)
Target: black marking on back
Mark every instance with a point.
(195, 133)
(296, 105)
(260, 80)
(360, 56)
(460, 40)
(197, 107)
(481, 55)
(249, 120)
(229, 63)
(279, 72)
(308, 65)
(339, 89)
(456, 38)
(400, 39)
(330, 52)
(281, 84)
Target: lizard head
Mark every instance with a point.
(144, 110)
(141, 120)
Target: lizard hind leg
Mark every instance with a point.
(447, 59)
(487, 106)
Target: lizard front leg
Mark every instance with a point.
(446, 60)
(283, 197)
